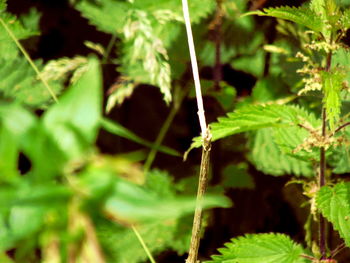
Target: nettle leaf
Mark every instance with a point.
(302, 15)
(341, 58)
(254, 117)
(108, 15)
(260, 248)
(269, 157)
(8, 49)
(332, 85)
(19, 82)
(334, 204)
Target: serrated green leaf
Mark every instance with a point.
(260, 248)
(268, 157)
(108, 16)
(301, 15)
(334, 205)
(254, 117)
(119, 130)
(332, 84)
(8, 49)
(340, 158)
(20, 83)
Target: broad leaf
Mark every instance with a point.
(268, 157)
(254, 117)
(122, 245)
(127, 202)
(302, 16)
(334, 204)
(15, 122)
(74, 121)
(260, 248)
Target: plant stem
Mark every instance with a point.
(341, 127)
(164, 129)
(202, 185)
(143, 244)
(322, 177)
(109, 48)
(26, 55)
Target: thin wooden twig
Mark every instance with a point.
(206, 136)
(202, 186)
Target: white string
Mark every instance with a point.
(194, 64)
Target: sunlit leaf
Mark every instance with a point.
(258, 248)
(74, 121)
(334, 204)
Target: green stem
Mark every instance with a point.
(26, 55)
(164, 129)
(109, 48)
(178, 98)
(139, 237)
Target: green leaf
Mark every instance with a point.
(332, 84)
(121, 244)
(334, 204)
(129, 202)
(117, 129)
(75, 120)
(268, 157)
(14, 124)
(108, 16)
(301, 15)
(254, 117)
(8, 49)
(340, 158)
(20, 83)
(260, 248)
(345, 19)
(3, 5)
(19, 224)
